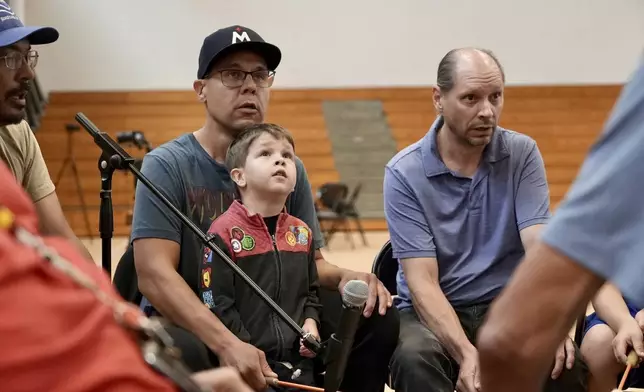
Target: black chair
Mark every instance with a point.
(385, 267)
(338, 209)
(125, 279)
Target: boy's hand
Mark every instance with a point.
(310, 326)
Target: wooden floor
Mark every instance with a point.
(339, 253)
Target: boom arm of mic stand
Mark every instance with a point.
(121, 159)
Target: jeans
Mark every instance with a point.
(421, 363)
(368, 365)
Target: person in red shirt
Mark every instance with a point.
(55, 334)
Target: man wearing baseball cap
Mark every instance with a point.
(18, 146)
(48, 317)
(235, 73)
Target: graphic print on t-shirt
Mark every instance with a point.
(205, 204)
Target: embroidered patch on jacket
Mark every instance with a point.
(237, 247)
(205, 277)
(207, 254)
(237, 233)
(248, 242)
(290, 238)
(301, 233)
(207, 299)
(240, 240)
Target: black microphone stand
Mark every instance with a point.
(120, 159)
(106, 165)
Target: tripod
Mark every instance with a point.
(70, 160)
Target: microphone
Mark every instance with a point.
(340, 343)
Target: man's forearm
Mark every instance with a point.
(329, 275)
(527, 322)
(439, 316)
(171, 296)
(610, 307)
(82, 249)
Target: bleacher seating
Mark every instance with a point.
(563, 120)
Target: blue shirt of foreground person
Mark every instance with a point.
(597, 235)
(461, 205)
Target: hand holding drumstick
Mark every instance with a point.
(631, 362)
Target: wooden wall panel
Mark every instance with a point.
(564, 120)
(162, 116)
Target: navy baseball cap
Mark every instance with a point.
(13, 30)
(231, 39)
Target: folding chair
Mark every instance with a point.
(338, 209)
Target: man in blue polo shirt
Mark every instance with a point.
(597, 235)
(462, 205)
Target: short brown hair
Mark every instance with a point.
(238, 150)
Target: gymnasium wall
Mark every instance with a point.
(564, 120)
(154, 44)
(129, 65)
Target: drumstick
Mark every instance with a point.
(630, 362)
(277, 383)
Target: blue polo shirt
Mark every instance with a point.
(470, 225)
(600, 224)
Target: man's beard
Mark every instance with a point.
(9, 114)
(12, 116)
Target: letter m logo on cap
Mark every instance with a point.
(240, 36)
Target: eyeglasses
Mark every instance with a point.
(15, 60)
(236, 78)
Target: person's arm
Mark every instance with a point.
(527, 322)
(222, 284)
(330, 275)
(312, 305)
(532, 209)
(413, 244)
(532, 200)
(433, 308)
(38, 184)
(156, 236)
(610, 307)
(594, 236)
(53, 222)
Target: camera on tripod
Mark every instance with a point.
(134, 137)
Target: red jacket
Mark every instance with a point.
(54, 334)
(283, 265)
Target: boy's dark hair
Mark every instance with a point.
(238, 150)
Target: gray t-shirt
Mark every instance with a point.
(600, 224)
(202, 189)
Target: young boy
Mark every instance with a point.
(272, 247)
